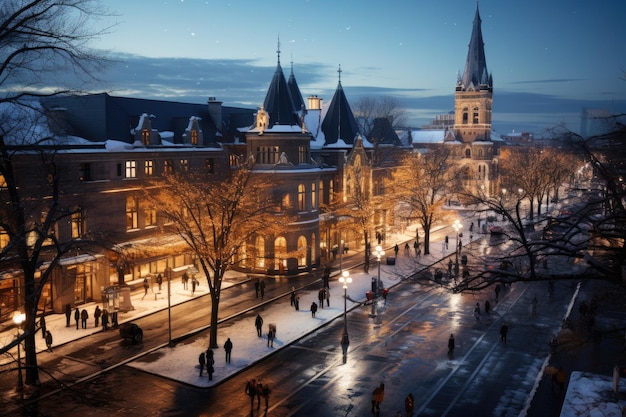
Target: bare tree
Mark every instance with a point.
(368, 109)
(217, 218)
(45, 51)
(422, 183)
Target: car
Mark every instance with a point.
(496, 230)
(131, 332)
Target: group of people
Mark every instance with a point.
(271, 333)
(256, 389)
(83, 317)
(206, 360)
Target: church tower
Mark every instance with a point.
(474, 92)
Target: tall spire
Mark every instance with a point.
(278, 49)
(475, 75)
(339, 122)
(278, 101)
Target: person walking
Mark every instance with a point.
(160, 281)
(396, 249)
(504, 330)
(194, 282)
(42, 324)
(258, 323)
(262, 288)
(497, 291)
(296, 302)
(271, 334)
(49, 340)
(313, 309)
(209, 367)
(228, 348)
(320, 297)
(407, 250)
(377, 397)
(77, 317)
(185, 280)
(259, 392)
(105, 320)
(251, 391)
(292, 298)
(487, 307)
(202, 362)
(146, 286)
(409, 405)
(266, 395)
(327, 295)
(96, 315)
(415, 246)
(446, 240)
(209, 356)
(68, 315)
(451, 343)
(83, 318)
(257, 287)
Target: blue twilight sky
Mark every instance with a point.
(549, 59)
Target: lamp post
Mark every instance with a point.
(378, 252)
(457, 226)
(345, 341)
(18, 319)
(341, 256)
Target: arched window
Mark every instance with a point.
(302, 251)
(313, 249)
(475, 116)
(260, 252)
(465, 115)
(280, 251)
(468, 153)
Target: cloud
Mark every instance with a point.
(554, 80)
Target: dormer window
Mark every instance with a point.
(145, 137)
(194, 137)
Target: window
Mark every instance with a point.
(331, 191)
(260, 252)
(131, 169)
(194, 137)
(475, 116)
(150, 214)
(148, 167)
(301, 197)
(302, 246)
(465, 116)
(78, 224)
(84, 172)
(209, 165)
(131, 213)
(321, 192)
(145, 137)
(4, 239)
(184, 165)
(313, 196)
(233, 160)
(119, 170)
(468, 153)
(302, 154)
(168, 166)
(267, 154)
(280, 251)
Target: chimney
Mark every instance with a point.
(215, 111)
(315, 103)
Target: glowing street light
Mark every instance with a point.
(457, 226)
(18, 319)
(378, 252)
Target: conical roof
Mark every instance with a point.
(339, 122)
(475, 73)
(278, 101)
(296, 96)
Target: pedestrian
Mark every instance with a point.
(105, 319)
(259, 392)
(77, 317)
(477, 308)
(271, 334)
(49, 340)
(327, 294)
(446, 240)
(415, 246)
(262, 288)
(487, 307)
(292, 298)
(251, 391)
(296, 303)
(451, 343)
(477, 312)
(209, 368)
(68, 315)
(497, 290)
(194, 282)
(96, 315)
(320, 296)
(114, 319)
(185, 280)
(146, 286)
(202, 361)
(407, 250)
(472, 227)
(396, 249)
(326, 277)
(266, 395)
(160, 281)
(409, 405)
(313, 309)
(258, 323)
(209, 356)
(83, 318)
(228, 347)
(460, 244)
(504, 330)
(257, 287)
(449, 267)
(42, 324)
(377, 397)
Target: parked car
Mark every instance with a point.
(496, 230)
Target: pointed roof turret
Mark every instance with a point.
(475, 74)
(296, 96)
(339, 122)
(278, 101)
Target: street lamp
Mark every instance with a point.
(345, 341)
(18, 319)
(457, 226)
(378, 252)
(341, 256)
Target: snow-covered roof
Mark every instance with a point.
(428, 136)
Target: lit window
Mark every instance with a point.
(131, 169)
(321, 192)
(209, 165)
(131, 213)
(145, 136)
(150, 216)
(194, 137)
(313, 196)
(301, 197)
(302, 153)
(78, 224)
(148, 167)
(4, 239)
(168, 166)
(184, 165)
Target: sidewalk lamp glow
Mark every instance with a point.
(345, 341)
(378, 252)
(457, 226)
(18, 319)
